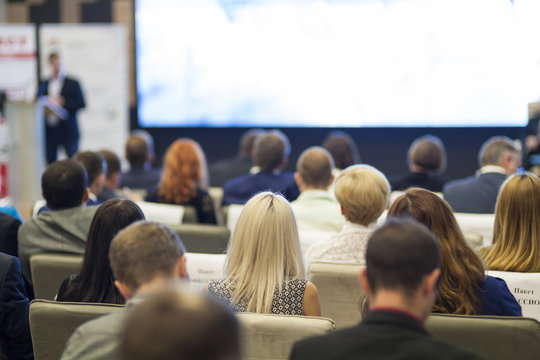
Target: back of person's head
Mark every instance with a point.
(136, 150)
(516, 233)
(247, 141)
(174, 325)
(462, 271)
(95, 282)
(399, 254)
(427, 155)
(94, 163)
(264, 251)
(272, 150)
(184, 171)
(495, 149)
(343, 149)
(363, 193)
(314, 166)
(143, 252)
(113, 163)
(63, 184)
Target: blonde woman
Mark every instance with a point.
(362, 191)
(516, 234)
(264, 268)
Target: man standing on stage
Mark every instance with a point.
(62, 98)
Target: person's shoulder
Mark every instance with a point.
(236, 180)
(443, 350)
(458, 184)
(325, 346)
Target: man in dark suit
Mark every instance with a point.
(498, 158)
(9, 226)
(400, 279)
(66, 92)
(15, 342)
(271, 155)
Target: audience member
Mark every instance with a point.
(113, 174)
(241, 164)
(96, 167)
(184, 180)
(362, 192)
(342, 148)
(427, 160)
(315, 209)
(464, 288)
(95, 282)
(187, 326)
(64, 228)
(264, 268)
(140, 155)
(498, 158)
(271, 155)
(15, 341)
(516, 233)
(400, 279)
(145, 258)
(9, 226)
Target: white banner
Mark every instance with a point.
(96, 55)
(18, 71)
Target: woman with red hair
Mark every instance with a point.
(184, 180)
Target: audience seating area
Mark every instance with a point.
(49, 270)
(271, 337)
(493, 337)
(341, 296)
(52, 323)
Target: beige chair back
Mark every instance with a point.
(206, 239)
(526, 289)
(339, 291)
(492, 337)
(271, 337)
(477, 223)
(49, 270)
(216, 193)
(52, 323)
(163, 213)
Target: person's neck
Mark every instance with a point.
(158, 284)
(396, 300)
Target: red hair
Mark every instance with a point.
(184, 172)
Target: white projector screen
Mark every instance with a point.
(336, 63)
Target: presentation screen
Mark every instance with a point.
(336, 63)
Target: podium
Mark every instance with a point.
(26, 148)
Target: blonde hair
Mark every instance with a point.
(264, 252)
(516, 234)
(363, 192)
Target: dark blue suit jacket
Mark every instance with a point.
(475, 194)
(239, 190)
(73, 102)
(15, 341)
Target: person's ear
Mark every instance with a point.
(332, 178)
(86, 195)
(180, 268)
(430, 283)
(364, 281)
(123, 289)
(298, 180)
(343, 212)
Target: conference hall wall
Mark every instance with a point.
(384, 147)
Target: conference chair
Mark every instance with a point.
(342, 298)
(271, 337)
(52, 323)
(216, 193)
(49, 270)
(477, 223)
(526, 289)
(163, 213)
(201, 238)
(492, 337)
(231, 213)
(203, 268)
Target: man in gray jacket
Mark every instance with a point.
(146, 258)
(64, 228)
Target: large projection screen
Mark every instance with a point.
(336, 63)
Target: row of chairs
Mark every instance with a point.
(272, 336)
(341, 296)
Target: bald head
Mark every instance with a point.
(314, 168)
